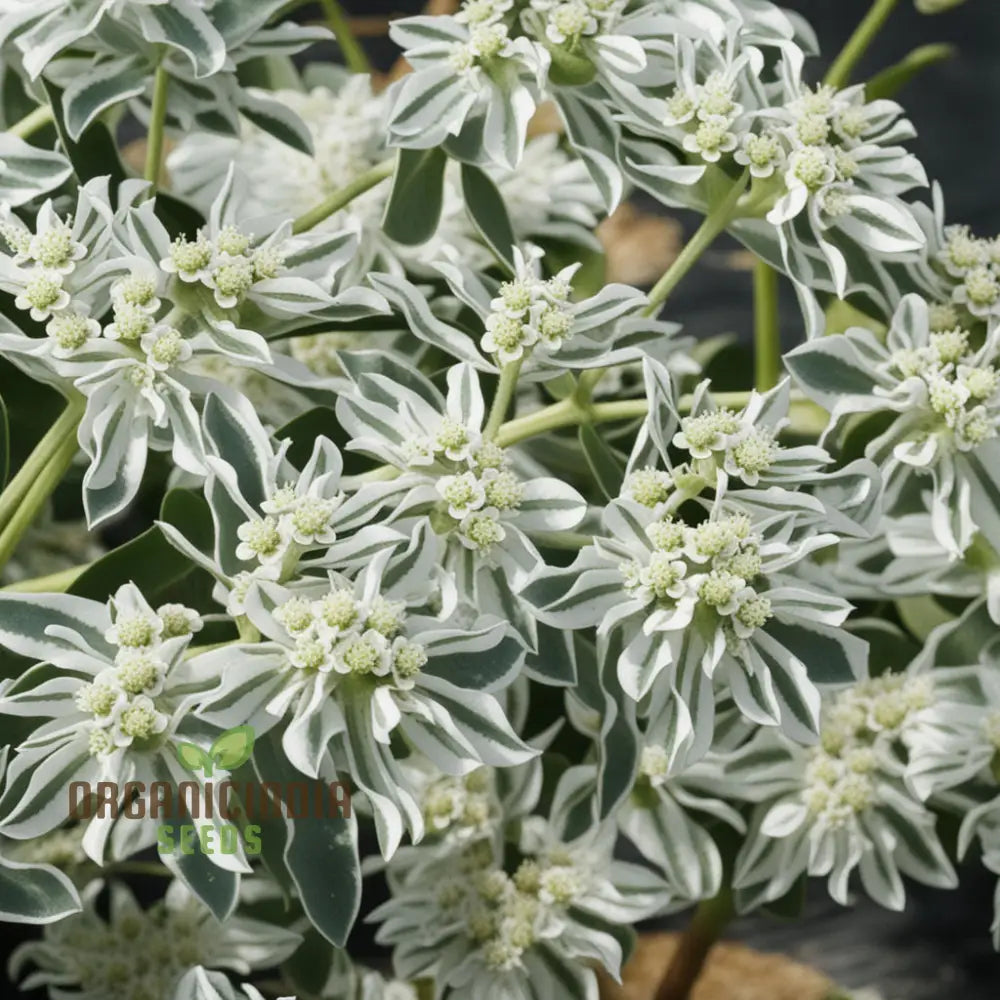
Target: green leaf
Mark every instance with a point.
(591, 277)
(101, 88)
(605, 464)
(190, 514)
(178, 217)
(317, 844)
(4, 444)
(321, 421)
(417, 197)
(921, 614)
(94, 153)
(32, 894)
(193, 758)
(233, 748)
(891, 80)
(278, 120)
(269, 73)
(149, 561)
(488, 213)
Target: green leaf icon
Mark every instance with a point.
(192, 757)
(233, 747)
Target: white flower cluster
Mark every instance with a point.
(289, 524)
(138, 954)
(960, 386)
(503, 927)
(711, 566)
(972, 263)
(122, 700)
(336, 632)
(527, 311)
(844, 804)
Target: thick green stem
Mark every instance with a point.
(839, 74)
(766, 326)
(568, 413)
(32, 122)
(806, 418)
(339, 199)
(502, 400)
(157, 124)
(712, 225)
(354, 54)
(63, 430)
(707, 925)
(37, 494)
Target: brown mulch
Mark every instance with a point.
(733, 972)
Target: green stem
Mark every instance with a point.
(32, 122)
(157, 122)
(339, 199)
(568, 413)
(839, 74)
(806, 418)
(248, 631)
(354, 54)
(766, 326)
(706, 927)
(712, 225)
(36, 495)
(502, 400)
(53, 583)
(64, 429)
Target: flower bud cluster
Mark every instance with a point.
(478, 488)
(528, 311)
(229, 264)
(505, 914)
(859, 731)
(725, 439)
(103, 957)
(123, 701)
(289, 524)
(711, 566)
(973, 263)
(959, 387)
(568, 21)
(339, 633)
(461, 808)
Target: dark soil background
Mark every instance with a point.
(939, 949)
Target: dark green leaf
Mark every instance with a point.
(488, 213)
(414, 208)
(327, 844)
(30, 895)
(190, 514)
(4, 444)
(605, 464)
(95, 153)
(149, 561)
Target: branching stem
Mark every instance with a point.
(839, 74)
(340, 199)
